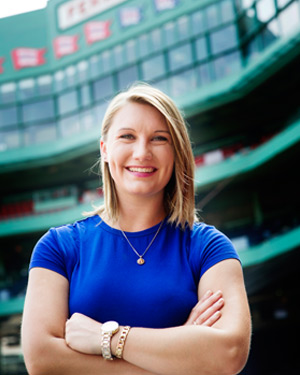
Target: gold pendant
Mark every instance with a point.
(140, 261)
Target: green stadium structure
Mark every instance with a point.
(230, 65)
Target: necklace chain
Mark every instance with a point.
(141, 259)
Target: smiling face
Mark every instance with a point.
(139, 151)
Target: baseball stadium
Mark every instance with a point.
(231, 66)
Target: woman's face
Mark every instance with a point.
(139, 151)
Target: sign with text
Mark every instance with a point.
(28, 57)
(73, 12)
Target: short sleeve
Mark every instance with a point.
(209, 246)
(55, 251)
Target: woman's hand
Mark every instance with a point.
(208, 310)
(83, 334)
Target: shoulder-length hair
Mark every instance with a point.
(179, 199)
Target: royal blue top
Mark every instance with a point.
(106, 283)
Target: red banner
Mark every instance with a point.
(65, 45)
(28, 57)
(96, 30)
(1, 67)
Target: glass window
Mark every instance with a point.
(8, 92)
(107, 62)
(85, 95)
(282, 3)
(201, 48)
(180, 57)
(204, 74)
(127, 77)
(227, 11)
(270, 33)
(265, 9)
(41, 110)
(69, 126)
(39, 134)
(99, 111)
(95, 66)
(289, 19)
(44, 85)
(183, 28)
(131, 55)
(227, 64)
(103, 88)
(26, 89)
(169, 33)
(246, 24)
(223, 39)
(154, 67)
(67, 102)
(144, 45)
(87, 119)
(247, 3)
(212, 15)
(59, 80)
(82, 70)
(156, 38)
(184, 83)
(252, 49)
(8, 116)
(119, 55)
(71, 76)
(198, 22)
(9, 139)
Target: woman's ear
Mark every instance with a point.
(103, 150)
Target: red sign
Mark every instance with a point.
(1, 67)
(65, 45)
(28, 57)
(96, 30)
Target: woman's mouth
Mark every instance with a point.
(142, 171)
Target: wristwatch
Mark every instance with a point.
(108, 329)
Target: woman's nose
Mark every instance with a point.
(142, 151)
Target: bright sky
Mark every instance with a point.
(11, 7)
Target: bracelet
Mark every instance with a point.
(121, 342)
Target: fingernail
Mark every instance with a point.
(208, 293)
(221, 301)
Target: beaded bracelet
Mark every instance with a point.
(121, 342)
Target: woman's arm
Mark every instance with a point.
(43, 332)
(221, 349)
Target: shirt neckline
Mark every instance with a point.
(103, 225)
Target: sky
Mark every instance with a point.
(12, 7)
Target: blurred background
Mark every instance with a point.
(232, 66)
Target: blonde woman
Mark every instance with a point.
(139, 286)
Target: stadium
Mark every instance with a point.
(232, 66)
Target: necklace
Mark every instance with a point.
(141, 259)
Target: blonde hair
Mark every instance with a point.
(179, 198)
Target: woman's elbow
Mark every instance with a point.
(236, 356)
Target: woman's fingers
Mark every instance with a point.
(205, 310)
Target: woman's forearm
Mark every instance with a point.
(186, 350)
(56, 358)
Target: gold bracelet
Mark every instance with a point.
(121, 342)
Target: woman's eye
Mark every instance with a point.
(160, 138)
(127, 136)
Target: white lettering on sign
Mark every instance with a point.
(73, 12)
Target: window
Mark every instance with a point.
(184, 83)
(69, 126)
(88, 120)
(282, 3)
(85, 95)
(212, 15)
(107, 63)
(9, 139)
(119, 55)
(71, 76)
(94, 66)
(201, 49)
(127, 77)
(103, 88)
(59, 81)
(180, 57)
(289, 19)
(156, 38)
(39, 134)
(40, 110)
(227, 64)
(204, 74)
(183, 28)
(265, 9)
(169, 33)
(67, 102)
(198, 22)
(227, 11)
(8, 92)
(154, 67)
(144, 45)
(130, 48)
(26, 89)
(223, 39)
(44, 85)
(8, 116)
(82, 70)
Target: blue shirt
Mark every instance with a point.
(106, 283)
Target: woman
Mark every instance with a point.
(172, 286)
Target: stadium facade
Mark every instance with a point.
(231, 66)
